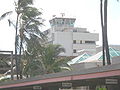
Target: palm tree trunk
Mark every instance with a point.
(105, 33)
(20, 59)
(17, 66)
(103, 41)
(43, 66)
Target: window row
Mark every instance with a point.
(83, 42)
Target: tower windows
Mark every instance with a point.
(80, 41)
(74, 50)
(90, 42)
(74, 41)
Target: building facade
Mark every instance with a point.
(75, 40)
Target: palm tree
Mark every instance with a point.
(102, 26)
(51, 59)
(29, 26)
(105, 49)
(105, 33)
(43, 59)
(103, 12)
(19, 6)
(27, 23)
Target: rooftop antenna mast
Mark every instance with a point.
(62, 14)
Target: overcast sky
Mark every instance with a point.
(86, 13)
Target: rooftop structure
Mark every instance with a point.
(88, 60)
(79, 58)
(99, 57)
(62, 22)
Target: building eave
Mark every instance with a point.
(99, 72)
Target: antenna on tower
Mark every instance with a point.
(62, 14)
(53, 16)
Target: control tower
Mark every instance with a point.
(73, 39)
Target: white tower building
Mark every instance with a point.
(73, 39)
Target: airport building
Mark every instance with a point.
(75, 40)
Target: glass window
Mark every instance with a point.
(74, 30)
(80, 41)
(74, 51)
(74, 41)
(90, 42)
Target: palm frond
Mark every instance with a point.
(31, 12)
(11, 23)
(5, 14)
(66, 68)
(24, 3)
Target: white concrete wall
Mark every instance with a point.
(64, 39)
(86, 36)
(84, 46)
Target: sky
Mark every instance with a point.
(86, 12)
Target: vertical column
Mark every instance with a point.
(11, 65)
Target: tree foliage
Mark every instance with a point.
(43, 59)
(28, 21)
